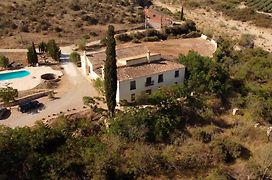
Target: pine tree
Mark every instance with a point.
(32, 56)
(110, 71)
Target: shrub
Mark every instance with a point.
(91, 20)
(58, 29)
(86, 36)
(23, 28)
(203, 136)
(137, 35)
(151, 39)
(154, 33)
(89, 101)
(193, 34)
(246, 41)
(103, 42)
(99, 85)
(123, 37)
(228, 151)
(74, 6)
(74, 57)
(82, 43)
(136, 41)
(4, 61)
(176, 30)
(8, 94)
(219, 174)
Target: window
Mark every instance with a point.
(176, 73)
(149, 82)
(133, 97)
(160, 78)
(132, 85)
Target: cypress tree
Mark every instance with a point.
(42, 47)
(32, 56)
(110, 71)
(53, 50)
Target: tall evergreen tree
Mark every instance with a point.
(32, 56)
(42, 47)
(110, 71)
(53, 50)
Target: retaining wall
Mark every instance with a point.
(29, 97)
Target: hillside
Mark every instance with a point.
(213, 22)
(260, 5)
(67, 21)
(179, 135)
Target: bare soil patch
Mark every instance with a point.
(217, 24)
(174, 47)
(17, 57)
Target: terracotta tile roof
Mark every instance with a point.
(140, 70)
(157, 19)
(97, 59)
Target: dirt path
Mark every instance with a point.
(219, 24)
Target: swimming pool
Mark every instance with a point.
(13, 75)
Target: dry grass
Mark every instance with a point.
(181, 46)
(22, 22)
(19, 57)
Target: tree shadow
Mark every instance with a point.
(6, 115)
(37, 109)
(194, 119)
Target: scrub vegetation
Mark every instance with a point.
(234, 10)
(179, 135)
(65, 20)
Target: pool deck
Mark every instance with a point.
(30, 81)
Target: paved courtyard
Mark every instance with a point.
(30, 81)
(69, 96)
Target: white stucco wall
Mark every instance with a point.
(83, 64)
(124, 92)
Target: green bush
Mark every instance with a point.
(75, 57)
(144, 124)
(4, 61)
(219, 174)
(246, 41)
(136, 41)
(8, 94)
(151, 39)
(203, 136)
(227, 151)
(99, 85)
(123, 37)
(193, 34)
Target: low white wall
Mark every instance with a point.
(203, 36)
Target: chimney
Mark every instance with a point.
(148, 56)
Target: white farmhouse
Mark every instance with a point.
(139, 71)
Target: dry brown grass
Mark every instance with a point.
(182, 46)
(22, 21)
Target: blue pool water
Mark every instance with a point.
(14, 75)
